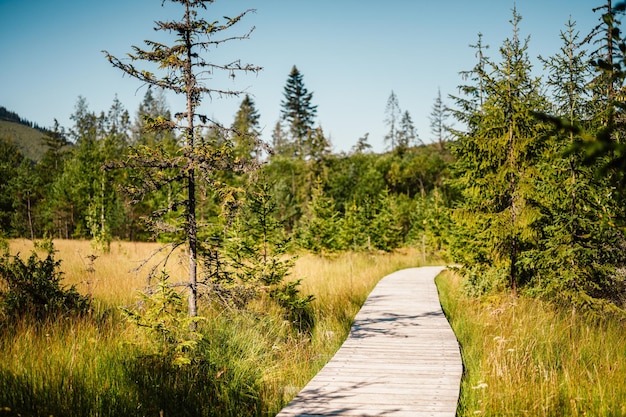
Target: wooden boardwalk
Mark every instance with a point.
(401, 358)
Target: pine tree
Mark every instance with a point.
(184, 73)
(319, 227)
(438, 122)
(392, 120)
(495, 167)
(580, 248)
(153, 106)
(298, 112)
(407, 134)
(246, 130)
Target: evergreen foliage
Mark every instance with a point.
(10, 161)
(495, 167)
(534, 214)
(161, 313)
(10, 116)
(32, 290)
(298, 112)
(537, 202)
(392, 120)
(438, 121)
(246, 130)
(319, 229)
(255, 262)
(199, 159)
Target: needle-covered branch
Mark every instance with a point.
(196, 162)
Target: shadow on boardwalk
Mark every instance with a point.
(400, 359)
(389, 324)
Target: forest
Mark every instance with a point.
(522, 190)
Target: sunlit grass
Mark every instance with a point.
(526, 357)
(111, 278)
(249, 364)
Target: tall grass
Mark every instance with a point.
(247, 364)
(527, 357)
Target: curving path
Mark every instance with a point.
(401, 358)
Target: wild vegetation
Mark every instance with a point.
(528, 357)
(522, 186)
(245, 364)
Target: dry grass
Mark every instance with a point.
(526, 357)
(340, 285)
(254, 363)
(111, 278)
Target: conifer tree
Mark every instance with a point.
(362, 145)
(609, 62)
(11, 158)
(246, 130)
(25, 190)
(392, 120)
(83, 197)
(495, 168)
(298, 112)
(385, 231)
(154, 105)
(319, 228)
(185, 73)
(407, 134)
(438, 122)
(280, 142)
(577, 250)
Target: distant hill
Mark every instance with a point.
(28, 140)
(9, 116)
(26, 135)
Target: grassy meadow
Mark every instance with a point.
(521, 356)
(252, 364)
(526, 357)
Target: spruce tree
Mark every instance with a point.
(609, 63)
(392, 120)
(580, 239)
(496, 159)
(298, 112)
(153, 106)
(85, 201)
(438, 122)
(362, 145)
(320, 224)
(246, 130)
(184, 72)
(11, 158)
(407, 134)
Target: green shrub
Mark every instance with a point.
(32, 290)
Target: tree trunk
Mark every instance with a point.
(30, 220)
(193, 247)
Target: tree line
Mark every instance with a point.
(68, 195)
(10, 116)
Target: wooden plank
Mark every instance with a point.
(400, 359)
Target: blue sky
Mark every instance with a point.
(351, 53)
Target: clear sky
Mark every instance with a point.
(352, 54)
